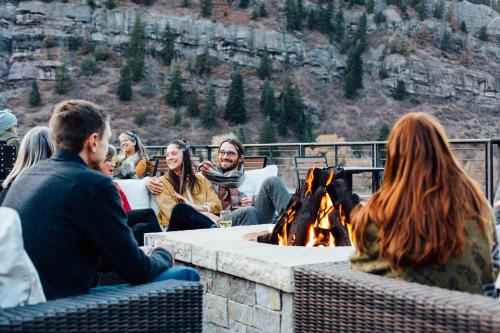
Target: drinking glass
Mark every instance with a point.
(225, 219)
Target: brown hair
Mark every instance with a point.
(425, 200)
(188, 178)
(236, 144)
(73, 121)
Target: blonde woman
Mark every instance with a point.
(133, 159)
(35, 146)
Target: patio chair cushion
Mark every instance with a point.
(254, 179)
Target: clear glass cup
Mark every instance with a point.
(225, 219)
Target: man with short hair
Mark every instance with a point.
(8, 129)
(72, 217)
(235, 192)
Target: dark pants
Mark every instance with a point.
(142, 221)
(185, 217)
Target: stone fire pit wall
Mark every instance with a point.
(249, 286)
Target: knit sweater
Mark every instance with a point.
(474, 271)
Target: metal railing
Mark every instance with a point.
(476, 156)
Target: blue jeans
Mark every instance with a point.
(174, 273)
(178, 273)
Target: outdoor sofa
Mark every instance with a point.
(336, 298)
(166, 306)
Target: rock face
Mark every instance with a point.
(33, 21)
(34, 36)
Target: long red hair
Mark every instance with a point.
(425, 199)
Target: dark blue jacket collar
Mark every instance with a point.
(67, 155)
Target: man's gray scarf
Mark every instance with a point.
(229, 179)
(226, 185)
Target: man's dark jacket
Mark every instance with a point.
(72, 218)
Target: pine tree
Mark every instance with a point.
(244, 3)
(235, 110)
(124, 84)
(267, 100)
(34, 94)
(300, 15)
(350, 85)
(439, 10)
(325, 14)
(463, 27)
(177, 117)
(262, 10)
(384, 131)
(209, 109)
(254, 16)
(361, 32)
(136, 50)
(282, 119)
(110, 4)
(168, 49)
(63, 81)
(185, 3)
(292, 14)
(266, 66)
(267, 132)
(286, 63)
(202, 63)
(421, 9)
(339, 26)
(206, 8)
(193, 108)
(287, 107)
(400, 91)
(311, 19)
(175, 94)
(370, 4)
(483, 34)
(241, 135)
(354, 77)
(446, 41)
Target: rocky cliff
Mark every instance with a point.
(460, 86)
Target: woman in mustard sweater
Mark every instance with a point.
(187, 201)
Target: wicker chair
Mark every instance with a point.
(335, 298)
(167, 306)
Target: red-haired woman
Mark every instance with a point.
(429, 223)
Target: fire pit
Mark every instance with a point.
(318, 214)
(249, 286)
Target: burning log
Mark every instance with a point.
(318, 213)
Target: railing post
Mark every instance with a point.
(489, 171)
(209, 153)
(374, 155)
(336, 160)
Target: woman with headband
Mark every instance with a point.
(133, 159)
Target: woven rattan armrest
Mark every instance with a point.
(166, 306)
(334, 297)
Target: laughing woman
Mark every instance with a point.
(429, 223)
(187, 201)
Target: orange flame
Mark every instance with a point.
(309, 182)
(330, 178)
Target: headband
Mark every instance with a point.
(132, 135)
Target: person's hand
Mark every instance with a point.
(169, 248)
(246, 202)
(497, 204)
(146, 249)
(205, 166)
(154, 185)
(179, 197)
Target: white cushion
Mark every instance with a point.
(254, 179)
(137, 193)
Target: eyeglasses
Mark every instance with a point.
(228, 153)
